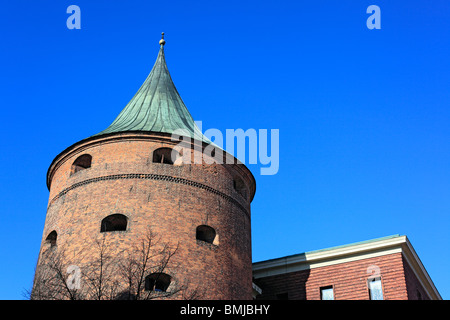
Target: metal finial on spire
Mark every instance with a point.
(162, 41)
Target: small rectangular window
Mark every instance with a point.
(375, 289)
(326, 293)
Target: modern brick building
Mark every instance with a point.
(109, 190)
(381, 269)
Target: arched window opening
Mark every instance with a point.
(51, 238)
(165, 155)
(81, 163)
(239, 186)
(114, 222)
(157, 282)
(206, 233)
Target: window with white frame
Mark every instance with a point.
(375, 289)
(326, 293)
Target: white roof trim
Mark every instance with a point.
(420, 272)
(256, 290)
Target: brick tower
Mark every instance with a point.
(107, 191)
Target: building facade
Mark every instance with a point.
(133, 181)
(381, 269)
(133, 214)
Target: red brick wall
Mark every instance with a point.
(173, 200)
(349, 280)
(413, 286)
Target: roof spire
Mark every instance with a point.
(162, 42)
(157, 106)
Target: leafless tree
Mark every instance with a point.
(138, 273)
(51, 280)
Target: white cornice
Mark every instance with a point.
(419, 270)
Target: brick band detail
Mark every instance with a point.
(151, 176)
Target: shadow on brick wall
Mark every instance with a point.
(288, 285)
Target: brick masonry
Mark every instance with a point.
(349, 281)
(414, 289)
(172, 200)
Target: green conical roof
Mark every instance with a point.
(157, 106)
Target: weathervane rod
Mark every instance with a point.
(162, 42)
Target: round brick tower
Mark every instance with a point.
(117, 185)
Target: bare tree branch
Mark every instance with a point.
(143, 272)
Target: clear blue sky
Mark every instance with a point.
(363, 114)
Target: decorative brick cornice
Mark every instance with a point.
(151, 176)
(86, 144)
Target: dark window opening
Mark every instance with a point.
(205, 233)
(81, 163)
(157, 282)
(282, 296)
(51, 238)
(239, 186)
(114, 222)
(165, 155)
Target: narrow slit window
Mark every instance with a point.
(375, 289)
(51, 238)
(239, 186)
(419, 295)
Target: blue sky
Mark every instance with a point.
(363, 114)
